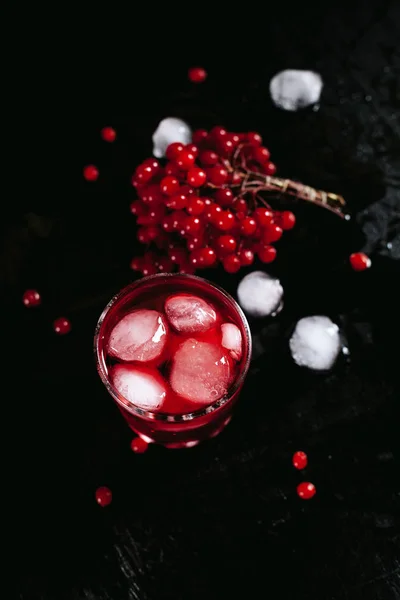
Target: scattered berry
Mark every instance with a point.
(197, 74)
(138, 445)
(103, 496)
(306, 490)
(31, 298)
(108, 134)
(91, 173)
(360, 261)
(300, 460)
(62, 326)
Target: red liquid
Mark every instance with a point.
(179, 421)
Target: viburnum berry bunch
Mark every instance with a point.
(206, 204)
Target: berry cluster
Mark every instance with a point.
(203, 207)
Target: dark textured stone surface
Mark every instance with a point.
(221, 520)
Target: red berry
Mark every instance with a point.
(195, 205)
(167, 223)
(179, 218)
(108, 134)
(165, 264)
(225, 146)
(263, 216)
(207, 257)
(269, 168)
(103, 496)
(225, 221)
(136, 263)
(138, 208)
(224, 197)
(178, 255)
(306, 490)
(272, 233)
(208, 158)
(187, 268)
(240, 205)
(217, 175)
(248, 226)
(185, 160)
(300, 460)
(91, 173)
(261, 154)
(138, 445)
(188, 190)
(287, 220)
(148, 269)
(174, 150)
(197, 74)
(31, 298)
(266, 254)
(151, 195)
(360, 261)
(213, 212)
(143, 174)
(169, 185)
(254, 138)
(192, 225)
(153, 217)
(199, 136)
(231, 263)
(171, 168)
(226, 244)
(194, 243)
(62, 326)
(246, 257)
(235, 178)
(176, 202)
(218, 132)
(193, 149)
(152, 163)
(196, 177)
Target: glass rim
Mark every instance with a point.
(160, 416)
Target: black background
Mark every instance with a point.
(221, 520)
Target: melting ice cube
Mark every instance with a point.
(293, 89)
(142, 386)
(315, 343)
(140, 335)
(170, 130)
(260, 295)
(200, 372)
(232, 340)
(189, 314)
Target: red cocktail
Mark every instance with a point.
(173, 351)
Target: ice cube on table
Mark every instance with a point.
(142, 386)
(189, 314)
(170, 130)
(232, 340)
(200, 372)
(141, 335)
(315, 343)
(260, 295)
(293, 89)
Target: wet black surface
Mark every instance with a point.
(221, 520)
